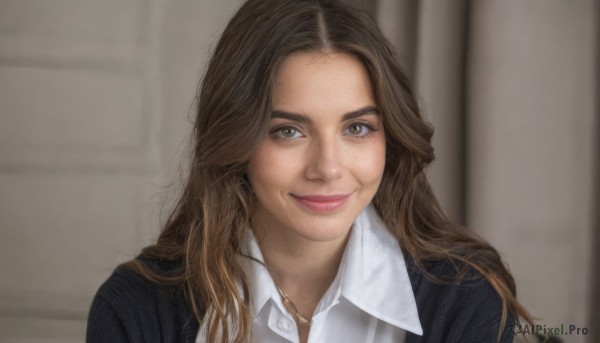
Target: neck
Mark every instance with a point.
(302, 269)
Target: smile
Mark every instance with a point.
(322, 203)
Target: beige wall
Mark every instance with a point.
(96, 97)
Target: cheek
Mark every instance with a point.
(370, 163)
(272, 168)
(376, 172)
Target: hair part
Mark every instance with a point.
(323, 31)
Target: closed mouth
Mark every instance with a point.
(322, 203)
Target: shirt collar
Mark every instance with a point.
(261, 284)
(374, 276)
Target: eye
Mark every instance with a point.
(286, 132)
(358, 130)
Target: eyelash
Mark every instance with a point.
(369, 134)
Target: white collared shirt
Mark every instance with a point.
(370, 300)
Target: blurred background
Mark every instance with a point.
(97, 96)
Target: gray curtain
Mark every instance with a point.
(511, 87)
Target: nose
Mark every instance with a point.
(325, 161)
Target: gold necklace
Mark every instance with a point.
(287, 301)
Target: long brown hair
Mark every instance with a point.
(204, 231)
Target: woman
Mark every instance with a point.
(307, 215)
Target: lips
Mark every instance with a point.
(322, 203)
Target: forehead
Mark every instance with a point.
(318, 82)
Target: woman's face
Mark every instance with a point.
(323, 159)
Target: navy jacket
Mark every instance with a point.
(128, 308)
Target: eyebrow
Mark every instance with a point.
(301, 118)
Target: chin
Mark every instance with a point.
(325, 229)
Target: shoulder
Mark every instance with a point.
(130, 308)
(465, 309)
(126, 288)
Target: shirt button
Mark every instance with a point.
(285, 325)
